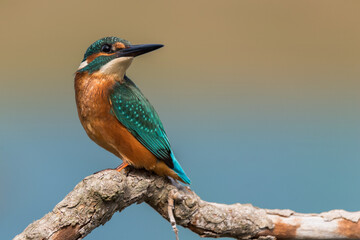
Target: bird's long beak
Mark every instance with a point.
(136, 50)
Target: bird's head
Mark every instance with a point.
(112, 55)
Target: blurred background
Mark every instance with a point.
(260, 100)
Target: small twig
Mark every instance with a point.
(171, 200)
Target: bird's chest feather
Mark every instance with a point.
(94, 107)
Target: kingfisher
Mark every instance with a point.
(116, 115)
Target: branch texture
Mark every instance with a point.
(96, 198)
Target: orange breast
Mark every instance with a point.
(94, 109)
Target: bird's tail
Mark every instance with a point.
(179, 171)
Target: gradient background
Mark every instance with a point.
(260, 100)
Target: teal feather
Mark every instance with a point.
(136, 113)
(98, 62)
(180, 172)
(96, 46)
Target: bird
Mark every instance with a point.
(116, 115)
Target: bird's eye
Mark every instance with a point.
(106, 48)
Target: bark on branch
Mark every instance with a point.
(96, 198)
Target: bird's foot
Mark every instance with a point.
(121, 166)
(118, 168)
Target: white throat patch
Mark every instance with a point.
(117, 66)
(83, 64)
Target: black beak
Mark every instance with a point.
(136, 50)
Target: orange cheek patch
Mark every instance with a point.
(95, 55)
(119, 45)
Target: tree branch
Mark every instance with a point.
(96, 198)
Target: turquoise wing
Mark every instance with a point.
(136, 113)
